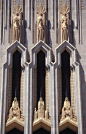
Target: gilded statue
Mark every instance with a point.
(17, 23)
(64, 22)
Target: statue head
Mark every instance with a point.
(41, 99)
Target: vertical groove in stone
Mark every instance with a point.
(72, 91)
(10, 89)
(60, 90)
(47, 88)
(35, 87)
(21, 90)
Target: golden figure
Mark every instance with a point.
(14, 110)
(64, 22)
(17, 23)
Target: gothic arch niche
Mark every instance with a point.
(16, 58)
(40, 61)
(16, 75)
(41, 87)
(66, 68)
(14, 79)
(66, 81)
(41, 72)
(41, 131)
(65, 73)
(41, 84)
(15, 131)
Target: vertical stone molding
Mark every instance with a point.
(21, 90)
(47, 88)
(10, 89)
(72, 91)
(35, 87)
(60, 90)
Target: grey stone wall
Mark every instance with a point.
(78, 35)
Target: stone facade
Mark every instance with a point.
(29, 45)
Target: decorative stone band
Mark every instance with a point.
(15, 118)
(68, 119)
(41, 115)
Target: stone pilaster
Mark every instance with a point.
(47, 89)
(10, 89)
(60, 90)
(21, 90)
(35, 87)
(72, 91)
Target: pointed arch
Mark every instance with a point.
(12, 51)
(71, 66)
